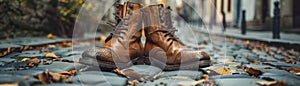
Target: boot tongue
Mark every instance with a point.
(124, 12)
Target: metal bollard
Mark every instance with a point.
(243, 25)
(223, 15)
(224, 21)
(276, 21)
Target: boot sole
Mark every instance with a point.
(186, 66)
(104, 65)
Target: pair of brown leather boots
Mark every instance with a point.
(124, 47)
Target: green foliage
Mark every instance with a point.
(38, 17)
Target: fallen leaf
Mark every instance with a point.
(50, 77)
(295, 71)
(50, 36)
(103, 38)
(227, 61)
(25, 59)
(118, 72)
(253, 72)
(65, 44)
(44, 77)
(223, 71)
(35, 60)
(267, 83)
(198, 82)
(13, 84)
(47, 62)
(53, 56)
(271, 83)
(133, 74)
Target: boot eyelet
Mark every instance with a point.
(129, 12)
(131, 6)
(161, 20)
(126, 18)
(163, 26)
(126, 24)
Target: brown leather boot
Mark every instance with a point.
(123, 45)
(163, 47)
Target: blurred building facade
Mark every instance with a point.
(259, 13)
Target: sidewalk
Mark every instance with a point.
(288, 39)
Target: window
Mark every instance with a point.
(229, 6)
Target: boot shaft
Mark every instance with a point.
(128, 22)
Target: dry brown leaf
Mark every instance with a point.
(25, 59)
(118, 72)
(266, 83)
(44, 77)
(55, 77)
(133, 74)
(227, 61)
(53, 56)
(50, 77)
(253, 72)
(35, 60)
(199, 82)
(271, 83)
(50, 36)
(72, 72)
(65, 60)
(223, 71)
(103, 38)
(26, 77)
(47, 63)
(295, 71)
(13, 84)
(65, 44)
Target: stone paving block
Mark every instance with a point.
(61, 51)
(281, 58)
(64, 66)
(98, 73)
(169, 82)
(60, 84)
(6, 46)
(40, 55)
(6, 60)
(31, 52)
(72, 58)
(280, 75)
(259, 66)
(237, 82)
(9, 78)
(17, 65)
(99, 80)
(183, 73)
(282, 64)
(11, 55)
(268, 58)
(22, 72)
(13, 79)
(146, 71)
(230, 76)
(2, 63)
(71, 53)
(44, 68)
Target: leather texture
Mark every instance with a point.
(159, 32)
(124, 44)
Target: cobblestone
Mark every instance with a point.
(243, 63)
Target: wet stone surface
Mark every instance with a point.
(55, 62)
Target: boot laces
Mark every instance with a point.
(119, 27)
(170, 29)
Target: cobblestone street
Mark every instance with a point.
(44, 61)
